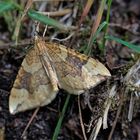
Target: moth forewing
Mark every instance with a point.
(96, 72)
(90, 77)
(32, 87)
(76, 72)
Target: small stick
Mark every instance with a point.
(81, 121)
(23, 42)
(30, 121)
(57, 13)
(117, 115)
(127, 28)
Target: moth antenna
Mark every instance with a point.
(36, 30)
(45, 30)
(46, 27)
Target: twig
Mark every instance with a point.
(20, 19)
(2, 133)
(107, 106)
(64, 39)
(30, 121)
(57, 13)
(96, 129)
(4, 91)
(20, 43)
(131, 108)
(117, 115)
(127, 28)
(81, 121)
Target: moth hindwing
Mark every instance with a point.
(47, 66)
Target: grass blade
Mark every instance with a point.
(86, 10)
(135, 48)
(98, 17)
(98, 31)
(5, 6)
(48, 21)
(101, 27)
(107, 20)
(59, 123)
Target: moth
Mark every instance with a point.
(48, 67)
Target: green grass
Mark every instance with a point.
(96, 23)
(106, 27)
(6, 6)
(135, 48)
(46, 20)
(59, 123)
(93, 39)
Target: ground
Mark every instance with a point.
(125, 24)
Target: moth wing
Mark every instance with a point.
(76, 80)
(32, 87)
(76, 72)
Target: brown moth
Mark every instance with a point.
(48, 66)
